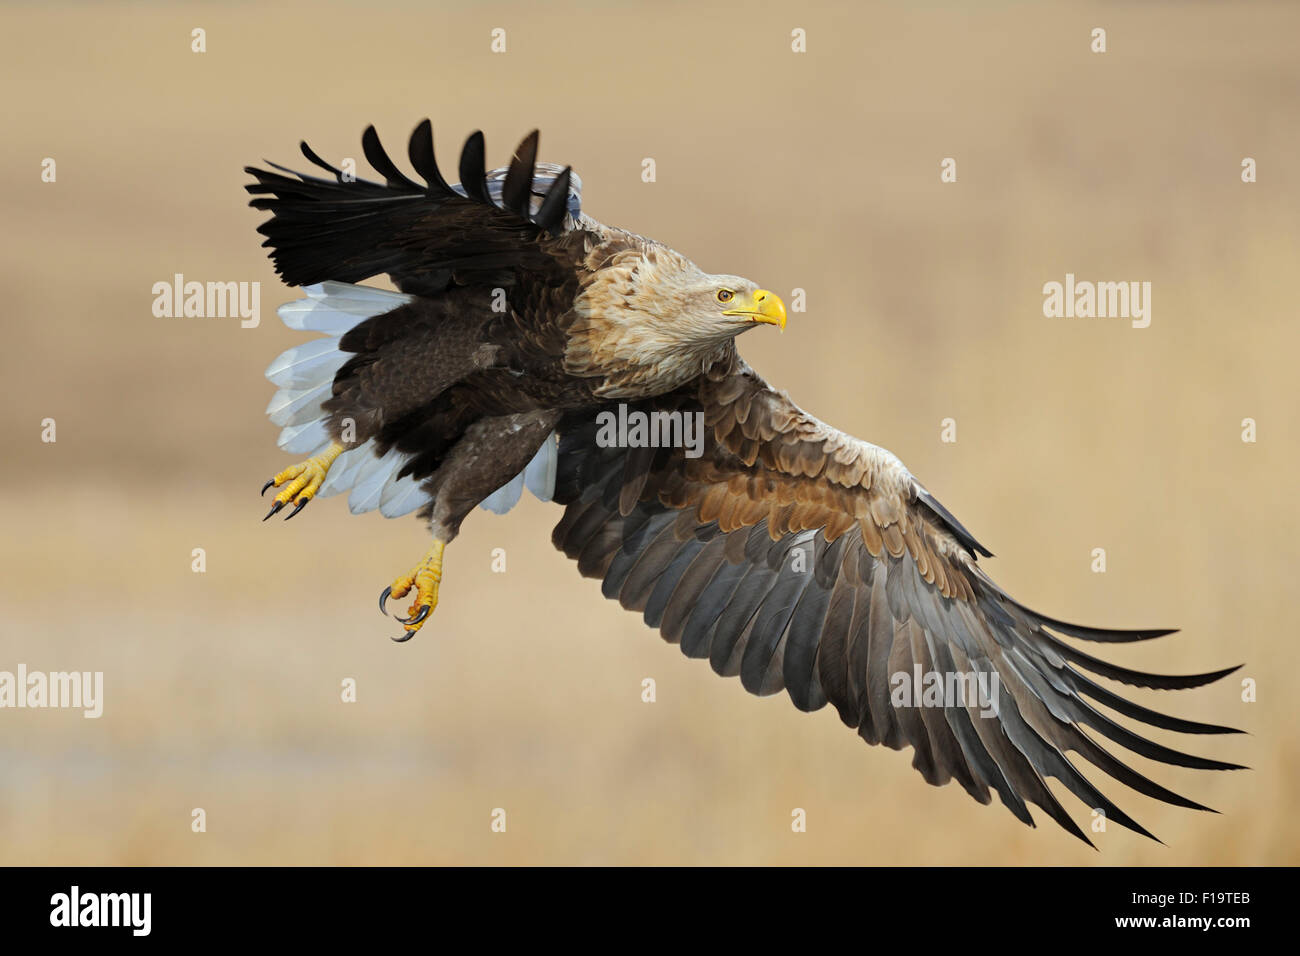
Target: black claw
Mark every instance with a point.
(302, 503)
(274, 508)
(405, 636)
(269, 483)
(383, 600)
(423, 613)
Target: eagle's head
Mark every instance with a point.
(722, 306)
(650, 315)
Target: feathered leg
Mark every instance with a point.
(491, 453)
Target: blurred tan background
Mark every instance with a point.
(818, 171)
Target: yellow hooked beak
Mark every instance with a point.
(762, 306)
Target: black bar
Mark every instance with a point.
(931, 905)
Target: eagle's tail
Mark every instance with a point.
(305, 377)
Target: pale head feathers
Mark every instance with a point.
(649, 320)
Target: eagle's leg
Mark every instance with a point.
(424, 578)
(490, 453)
(302, 481)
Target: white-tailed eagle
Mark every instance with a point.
(782, 550)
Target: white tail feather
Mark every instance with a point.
(538, 476)
(305, 439)
(400, 495)
(369, 483)
(307, 365)
(346, 468)
(335, 307)
(505, 497)
(291, 406)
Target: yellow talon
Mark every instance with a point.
(424, 578)
(303, 480)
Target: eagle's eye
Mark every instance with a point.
(725, 295)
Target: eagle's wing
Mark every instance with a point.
(798, 557)
(489, 229)
(450, 248)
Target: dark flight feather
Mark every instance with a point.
(383, 164)
(516, 194)
(420, 152)
(551, 214)
(473, 171)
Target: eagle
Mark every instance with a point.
(529, 345)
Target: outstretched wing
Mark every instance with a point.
(486, 230)
(798, 557)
